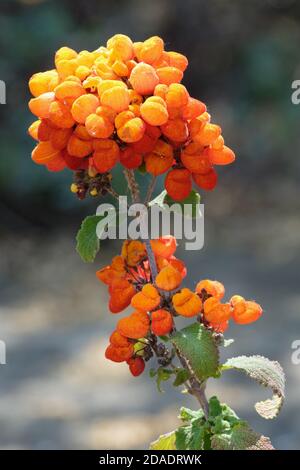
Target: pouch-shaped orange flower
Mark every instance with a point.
(146, 300)
(161, 322)
(135, 326)
(168, 278)
(187, 303)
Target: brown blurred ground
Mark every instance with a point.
(56, 390)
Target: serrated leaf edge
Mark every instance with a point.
(278, 395)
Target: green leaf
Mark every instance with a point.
(214, 407)
(139, 348)
(193, 199)
(197, 346)
(222, 430)
(162, 376)
(265, 372)
(240, 437)
(142, 169)
(187, 415)
(91, 231)
(87, 240)
(182, 376)
(152, 373)
(164, 339)
(164, 442)
(164, 201)
(190, 437)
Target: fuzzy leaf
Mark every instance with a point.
(162, 376)
(265, 372)
(197, 345)
(215, 407)
(182, 376)
(187, 415)
(87, 240)
(190, 437)
(240, 437)
(164, 442)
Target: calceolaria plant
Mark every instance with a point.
(124, 103)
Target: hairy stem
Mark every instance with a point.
(150, 190)
(199, 392)
(113, 193)
(133, 185)
(151, 258)
(196, 388)
(135, 194)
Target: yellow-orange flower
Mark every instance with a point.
(133, 251)
(245, 311)
(168, 278)
(127, 94)
(214, 288)
(187, 303)
(216, 312)
(148, 299)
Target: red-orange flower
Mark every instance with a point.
(160, 159)
(161, 322)
(136, 366)
(121, 292)
(119, 354)
(208, 181)
(174, 262)
(135, 326)
(178, 184)
(115, 271)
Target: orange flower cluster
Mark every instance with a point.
(217, 314)
(128, 276)
(129, 282)
(156, 302)
(125, 103)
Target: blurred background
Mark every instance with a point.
(57, 391)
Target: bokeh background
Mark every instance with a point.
(57, 391)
